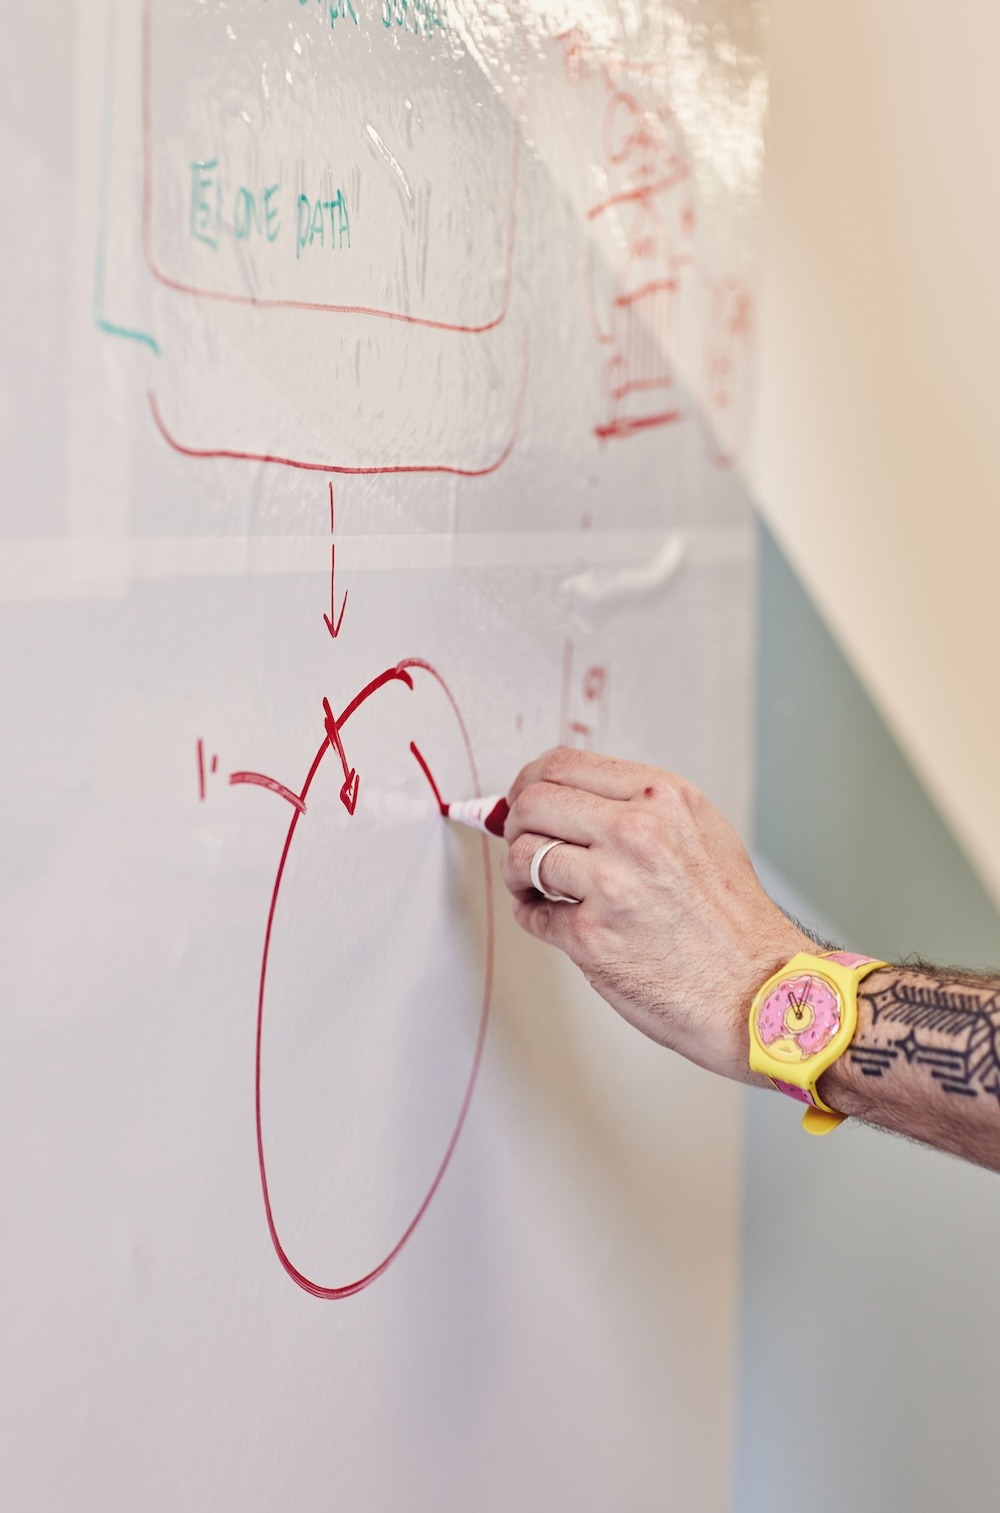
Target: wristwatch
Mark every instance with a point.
(801, 1021)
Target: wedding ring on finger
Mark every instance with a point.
(535, 873)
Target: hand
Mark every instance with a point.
(673, 927)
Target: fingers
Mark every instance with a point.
(557, 812)
(554, 923)
(606, 777)
(563, 868)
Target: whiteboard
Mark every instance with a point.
(374, 404)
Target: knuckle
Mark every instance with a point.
(520, 853)
(540, 920)
(609, 885)
(523, 916)
(515, 863)
(588, 939)
(692, 799)
(685, 799)
(637, 832)
(512, 824)
(556, 763)
(527, 775)
(527, 801)
(517, 784)
(515, 821)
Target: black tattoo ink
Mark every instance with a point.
(951, 1029)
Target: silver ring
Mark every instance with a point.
(535, 873)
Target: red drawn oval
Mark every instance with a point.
(402, 672)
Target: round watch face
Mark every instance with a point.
(799, 1017)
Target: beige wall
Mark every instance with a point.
(877, 458)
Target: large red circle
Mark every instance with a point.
(400, 673)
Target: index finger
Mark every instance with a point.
(607, 777)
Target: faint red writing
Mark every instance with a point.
(634, 298)
(644, 280)
(729, 368)
(583, 717)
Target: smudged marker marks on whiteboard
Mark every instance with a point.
(402, 673)
(614, 585)
(259, 780)
(397, 169)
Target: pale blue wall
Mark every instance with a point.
(870, 1335)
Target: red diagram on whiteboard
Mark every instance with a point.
(214, 228)
(407, 674)
(351, 873)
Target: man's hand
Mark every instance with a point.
(673, 927)
(675, 931)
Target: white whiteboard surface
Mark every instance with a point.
(324, 1187)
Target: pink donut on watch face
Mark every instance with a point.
(801, 1021)
(799, 1017)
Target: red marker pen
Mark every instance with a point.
(489, 814)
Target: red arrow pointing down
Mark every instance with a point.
(352, 781)
(333, 620)
(349, 791)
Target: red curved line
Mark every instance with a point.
(330, 467)
(295, 304)
(399, 673)
(428, 774)
(272, 784)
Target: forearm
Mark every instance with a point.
(671, 925)
(925, 1060)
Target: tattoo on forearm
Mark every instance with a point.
(952, 1028)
